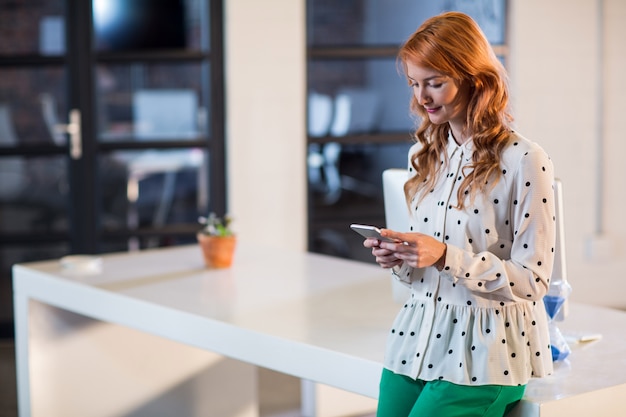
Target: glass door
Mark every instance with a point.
(35, 195)
(111, 129)
(158, 129)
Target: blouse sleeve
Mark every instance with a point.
(403, 274)
(525, 275)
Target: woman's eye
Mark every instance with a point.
(438, 85)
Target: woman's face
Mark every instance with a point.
(443, 98)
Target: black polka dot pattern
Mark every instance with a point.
(450, 330)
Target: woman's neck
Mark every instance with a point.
(460, 134)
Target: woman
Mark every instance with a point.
(479, 254)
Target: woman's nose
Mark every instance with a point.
(421, 96)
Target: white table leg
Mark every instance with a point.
(308, 398)
(319, 400)
(21, 317)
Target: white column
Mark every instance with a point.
(265, 54)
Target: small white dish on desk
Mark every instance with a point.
(82, 264)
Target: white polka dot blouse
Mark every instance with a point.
(481, 320)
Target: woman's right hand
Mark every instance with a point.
(384, 257)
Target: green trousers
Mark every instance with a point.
(401, 396)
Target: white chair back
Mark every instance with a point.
(559, 271)
(396, 212)
(396, 217)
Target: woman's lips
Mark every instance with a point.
(432, 110)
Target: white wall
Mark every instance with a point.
(554, 73)
(265, 55)
(556, 76)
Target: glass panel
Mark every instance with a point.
(151, 102)
(122, 25)
(345, 185)
(357, 96)
(31, 102)
(33, 194)
(153, 188)
(390, 22)
(32, 27)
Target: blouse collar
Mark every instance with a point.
(466, 149)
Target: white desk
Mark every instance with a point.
(318, 318)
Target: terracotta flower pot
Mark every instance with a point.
(218, 251)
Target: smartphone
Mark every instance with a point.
(370, 231)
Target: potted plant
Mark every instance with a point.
(217, 241)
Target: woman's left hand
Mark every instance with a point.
(417, 250)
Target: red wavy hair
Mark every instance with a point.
(453, 44)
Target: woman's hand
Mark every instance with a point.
(416, 249)
(384, 257)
